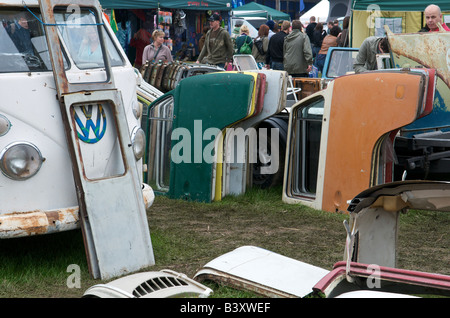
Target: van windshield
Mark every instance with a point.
(81, 37)
(23, 45)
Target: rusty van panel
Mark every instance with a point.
(430, 50)
(357, 121)
(38, 222)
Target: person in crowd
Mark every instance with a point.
(433, 17)
(329, 41)
(271, 25)
(425, 29)
(19, 33)
(201, 41)
(90, 50)
(139, 41)
(343, 37)
(183, 53)
(261, 45)
(366, 59)
(237, 29)
(218, 48)
(298, 57)
(330, 24)
(274, 57)
(318, 35)
(244, 37)
(310, 28)
(157, 51)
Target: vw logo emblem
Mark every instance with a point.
(91, 123)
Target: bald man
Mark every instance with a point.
(433, 16)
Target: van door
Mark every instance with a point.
(112, 209)
(185, 133)
(340, 140)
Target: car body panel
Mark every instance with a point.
(47, 202)
(350, 155)
(262, 271)
(183, 132)
(429, 50)
(368, 268)
(237, 156)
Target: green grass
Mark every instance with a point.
(187, 235)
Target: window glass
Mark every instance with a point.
(341, 62)
(308, 129)
(23, 47)
(80, 34)
(160, 119)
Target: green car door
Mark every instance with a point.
(203, 106)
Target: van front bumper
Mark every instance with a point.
(20, 224)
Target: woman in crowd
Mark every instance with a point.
(329, 41)
(261, 45)
(139, 41)
(317, 38)
(157, 51)
(244, 37)
(90, 50)
(342, 39)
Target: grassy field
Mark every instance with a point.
(187, 235)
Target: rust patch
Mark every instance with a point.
(38, 222)
(432, 50)
(242, 284)
(52, 217)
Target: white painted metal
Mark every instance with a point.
(316, 201)
(293, 90)
(235, 174)
(245, 62)
(145, 89)
(373, 294)
(374, 227)
(113, 215)
(263, 271)
(162, 284)
(47, 202)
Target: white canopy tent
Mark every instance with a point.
(320, 11)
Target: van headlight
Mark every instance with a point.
(20, 160)
(137, 109)
(138, 142)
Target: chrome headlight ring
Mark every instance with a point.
(138, 140)
(20, 160)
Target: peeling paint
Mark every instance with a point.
(20, 224)
(36, 222)
(427, 49)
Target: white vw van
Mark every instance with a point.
(38, 191)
